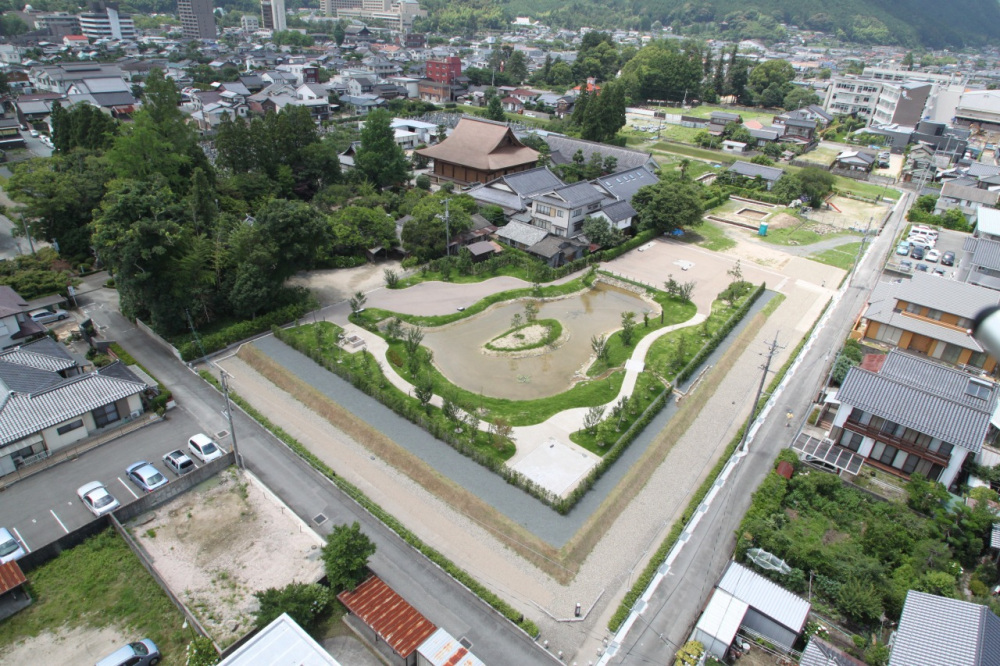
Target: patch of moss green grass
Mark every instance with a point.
(100, 583)
(647, 387)
(553, 329)
(841, 256)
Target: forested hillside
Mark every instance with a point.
(928, 23)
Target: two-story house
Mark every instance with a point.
(561, 211)
(914, 415)
(929, 315)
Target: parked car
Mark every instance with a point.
(940, 271)
(922, 241)
(144, 475)
(917, 252)
(204, 449)
(96, 498)
(47, 316)
(948, 258)
(903, 249)
(10, 548)
(33, 133)
(906, 265)
(932, 256)
(178, 462)
(140, 653)
(924, 229)
(922, 267)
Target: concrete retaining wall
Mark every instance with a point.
(177, 486)
(158, 340)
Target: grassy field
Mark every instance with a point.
(705, 111)
(799, 235)
(709, 235)
(714, 156)
(821, 156)
(841, 256)
(100, 583)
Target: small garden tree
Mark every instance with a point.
(592, 418)
(345, 556)
(628, 328)
(357, 302)
(304, 602)
(600, 346)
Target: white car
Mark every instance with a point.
(10, 548)
(932, 256)
(33, 133)
(204, 449)
(96, 498)
(47, 316)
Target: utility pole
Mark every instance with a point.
(27, 233)
(229, 414)
(861, 250)
(447, 228)
(194, 333)
(772, 349)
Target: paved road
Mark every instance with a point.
(672, 611)
(425, 586)
(43, 507)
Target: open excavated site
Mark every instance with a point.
(224, 540)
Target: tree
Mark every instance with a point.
(304, 602)
(770, 81)
(423, 390)
(82, 126)
(689, 654)
(501, 431)
(628, 328)
(424, 235)
(345, 556)
(798, 98)
(605, 114)
(517, 66)
(285, 237)
(600, 346)
(201, 652)
(494, 109)
(339, 33)
(599, 231)
(593, 418)
(354, 229)
(816, 184)
(668, 205)
(379, 158)
(357, 302)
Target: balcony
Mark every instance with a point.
(900, 444)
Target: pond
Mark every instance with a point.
(458, 348)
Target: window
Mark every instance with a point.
(910, 463)
(913, 308)
(978, 389)
(883, 453)
(105, 415)
(950, 354)
(851, 440)
(543, 210)
(560, 213)
(977, 360)
(933, 314)
(69, 427)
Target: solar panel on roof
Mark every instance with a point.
(828, 452)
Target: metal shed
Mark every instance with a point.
(774, 612)
(719, 623)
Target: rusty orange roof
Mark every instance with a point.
(395, 621)
(11, 576)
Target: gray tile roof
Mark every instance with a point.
(619, 211)
(510, 192)
(23, 414)
(624, 184)
(915, 407)
(964, 300)
(766, 134)
(820, 653)
(43, 354)
(571, 196)
(562, 149)
(973, 194)
(25, 379)
(980, 169)
(943, 380)
(751, 170)
(11, 302)
(985, 252)
(550, 246)
(766, 597)
(525, 234)
(938, 630)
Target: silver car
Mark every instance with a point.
(178, 462)
(140, 653)
(10, 548)
(144, 475)
(47, 316)
(96, 498)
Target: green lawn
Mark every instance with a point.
(709, 235)
(821, 156)
(714, 156)
(647, 388)
(706, 110)
(841, 256)
(664, 358)
(100, 583)
(801, 234)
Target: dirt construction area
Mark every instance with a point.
(224, 540)
(79, 645)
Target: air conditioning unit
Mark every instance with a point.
(136, 414)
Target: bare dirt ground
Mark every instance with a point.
(338, 284)
(80, 645)
(853, 213)
(221, 542)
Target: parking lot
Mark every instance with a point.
(948, 241)
(44, 507)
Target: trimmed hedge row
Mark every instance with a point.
(390, 521)
(660, 556)
(241, 330)
(720, 335)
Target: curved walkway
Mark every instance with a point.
(562, 464)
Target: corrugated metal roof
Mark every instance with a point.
(765, 597)
(820, 653)
(722, 617)
(938, 630)
(10, 577)
(985, 252)
(915, 408)
(443, 649)
(389, 615)
(624, 184)
(988, 221)
(281, 642)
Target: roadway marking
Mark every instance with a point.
(21, 539)
(59, 521)
(127, 488)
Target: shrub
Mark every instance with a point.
(423, 182)
(201, 652)
(345, 556)
(244, 329)
(304, 603)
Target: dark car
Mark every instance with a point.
(917, 252)
(948, 259)
(922, 267)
